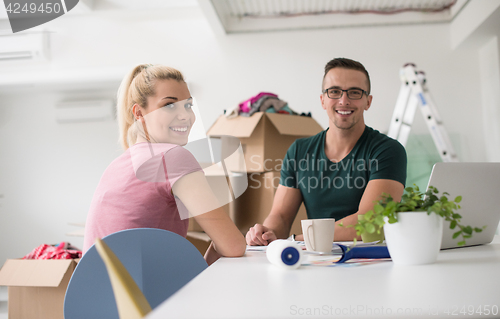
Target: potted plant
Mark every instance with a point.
(413, 227)
(377, 235)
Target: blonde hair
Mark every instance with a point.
(135, 89)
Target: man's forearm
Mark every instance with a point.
(281, 229)
(343, 233)
(278, 225)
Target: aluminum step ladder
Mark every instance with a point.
(413, 94)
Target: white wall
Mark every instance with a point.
(49, 171)
(489, 61)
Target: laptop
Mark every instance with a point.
(479, 186)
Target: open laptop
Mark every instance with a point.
(479, 186)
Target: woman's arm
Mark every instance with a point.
(195, 193)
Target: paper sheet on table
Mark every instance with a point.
(311, 258)
(335, 248)
(331, 261)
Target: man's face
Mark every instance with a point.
(345, 113)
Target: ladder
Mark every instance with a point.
(413, 94)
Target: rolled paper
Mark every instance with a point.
(284, 254)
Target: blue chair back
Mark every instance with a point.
(161, 262)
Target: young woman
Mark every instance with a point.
(156, 183)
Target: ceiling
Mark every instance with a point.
(235, 16)
(238, 16)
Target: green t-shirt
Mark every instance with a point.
(334, 190)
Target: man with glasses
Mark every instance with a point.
(340, 172)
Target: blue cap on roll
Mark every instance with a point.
(290, 256)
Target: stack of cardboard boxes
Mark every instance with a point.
(265, 138)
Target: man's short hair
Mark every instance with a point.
(347, 64)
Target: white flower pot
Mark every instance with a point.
(415, 239)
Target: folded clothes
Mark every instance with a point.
(262, 102)
(246, 106)
(63, 250)
(266, 102)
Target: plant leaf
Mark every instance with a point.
(378, 209)
(360, 229)
(461, 243)
(370, 228)
(391, 205)
(453, 224)
(467, 230)
(379, 220)
(369, 215)
(458, 199)
(455, 235)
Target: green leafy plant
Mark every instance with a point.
(414, 201)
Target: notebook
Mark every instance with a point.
(479, 186)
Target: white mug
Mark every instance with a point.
(318, 234)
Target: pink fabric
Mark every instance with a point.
(247, 105)
(135, 191)
(261, 94)
(53, 252)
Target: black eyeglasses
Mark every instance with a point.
(353, 94)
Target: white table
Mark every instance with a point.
(251, 287)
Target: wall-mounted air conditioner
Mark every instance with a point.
(25, 46)
(84, 111)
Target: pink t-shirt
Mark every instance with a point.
(135, 191)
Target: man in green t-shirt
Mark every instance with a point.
(340, 172)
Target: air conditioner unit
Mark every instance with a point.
(25, 46)
(84, 111)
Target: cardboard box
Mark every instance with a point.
(256, 202)
(36, 287)
(220, 185)
(200, 240)
(194, 226)
(265, 138)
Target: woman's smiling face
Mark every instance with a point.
(169, 116)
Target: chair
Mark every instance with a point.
(160, 262)
(129, 298)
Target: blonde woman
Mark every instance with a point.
(156, 183)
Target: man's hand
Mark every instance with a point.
(260, 235)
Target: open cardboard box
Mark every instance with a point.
(37, 287)
(256, 202)
(265, 138)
